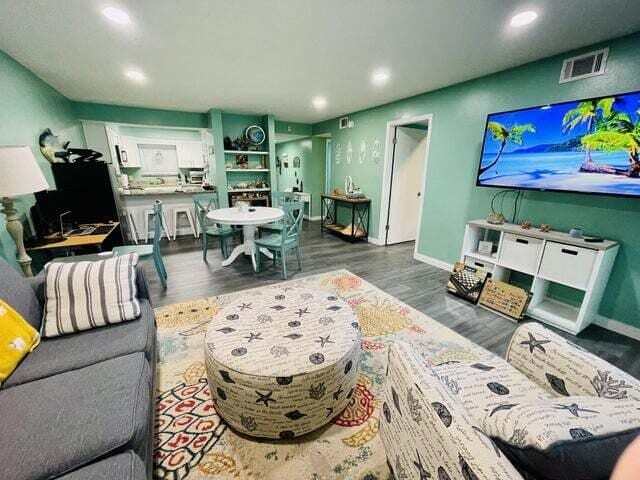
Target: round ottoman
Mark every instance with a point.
(282, 361)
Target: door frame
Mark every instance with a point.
(386, 173)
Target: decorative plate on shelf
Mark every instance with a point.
(255, 135)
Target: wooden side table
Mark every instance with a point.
(358, 229)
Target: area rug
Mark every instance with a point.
(193, 442)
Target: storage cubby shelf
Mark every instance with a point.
(553, 260)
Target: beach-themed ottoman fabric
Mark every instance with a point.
(558, 439)
(427, 433)
(282, 361)
(564, 368)
(486, 387)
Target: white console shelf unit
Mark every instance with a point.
(549, 258)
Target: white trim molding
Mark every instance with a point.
(375, 241)
(434, 262)
(618, 327)
(312, 219)
(386, 171)
(604, 322)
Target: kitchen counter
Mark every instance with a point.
(162, 190)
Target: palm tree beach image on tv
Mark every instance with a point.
(586, 146)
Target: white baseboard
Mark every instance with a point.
(604, 322)
(618, 327)
(312, 219)
(434, 262)
(375, 241)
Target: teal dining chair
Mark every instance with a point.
(287, 239)
(153, 250)
(204, 203)
(278, 199)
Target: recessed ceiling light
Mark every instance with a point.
(319, 103)
(135, 75)
(380, 77)
(117, 15)
(523, 18)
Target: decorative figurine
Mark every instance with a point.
(545, 228)
(526, 225)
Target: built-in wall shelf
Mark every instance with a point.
(243, 190)
(245, 152)
(246, 170)
(550, 261)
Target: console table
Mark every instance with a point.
(550, 260)
(358, 229)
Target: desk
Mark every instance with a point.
(78, 241)
(249, 222)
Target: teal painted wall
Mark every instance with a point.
(293, 128)
(144, 116)
(296, 148)
(27, 107)
(451, 197)
(312, 152)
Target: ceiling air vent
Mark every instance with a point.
(344, 122)
(584, 66)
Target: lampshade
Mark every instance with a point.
(19, 172)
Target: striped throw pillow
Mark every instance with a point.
(85, 295)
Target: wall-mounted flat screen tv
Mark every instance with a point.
(586, 146)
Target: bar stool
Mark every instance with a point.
(187, 211)
(150, 213)
(132, 227)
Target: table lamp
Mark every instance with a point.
(20, 174)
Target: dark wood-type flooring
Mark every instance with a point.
(391, 269)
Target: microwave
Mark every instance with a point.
(196, 176)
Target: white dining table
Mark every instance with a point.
(249, 221)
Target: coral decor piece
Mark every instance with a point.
(545, 228)
(526, 225)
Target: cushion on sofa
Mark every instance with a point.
(427, 433)
(566, 438)
(17, 291)
(17, 339)
(68, 352)
(67, 421)
(85, 295)
(483, 387)
(565, 369)
(124, 466)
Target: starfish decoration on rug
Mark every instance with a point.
(245, 306)
(254, 336)
(574, 409)
(534, 343)
(421, 470)
(302, 311)
(265, 397)
(324, 340)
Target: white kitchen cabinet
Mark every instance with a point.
(190, 154)
(129, 153)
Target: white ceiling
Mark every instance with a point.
(275, 56)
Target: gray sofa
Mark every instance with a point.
(79, 406)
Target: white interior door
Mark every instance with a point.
(406, 185)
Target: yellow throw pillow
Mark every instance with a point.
(17, 338)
